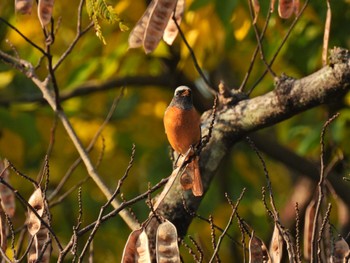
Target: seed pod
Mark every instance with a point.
(137, 34)
(171, 30)
(167, 250)
(41, 239)
(7, 196)
(23, 7)
(341, 251)
(3, 230)
(136, 248)
(276, 246)
(157, 23)
(256, 8)
(257, 251)
(308, 227)
(39, 232)
(45, 8)
(286, 8)
(37, 202)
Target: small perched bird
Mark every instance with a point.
(182, 127)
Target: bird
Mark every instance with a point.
(182, 128)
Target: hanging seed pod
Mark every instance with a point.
(341, 251)
(308, 226)
(136, 248)
(256, 8)
(3, 230)
(37, 202)
(6, 195)
(45, 8)
(23, 7)
(171, 30)
(272, 6)
(157, 23)
(286, 8)
(41, 240)
(137, 34)
(276, 246)
(167, 250)
(37, 229)
(257, 251)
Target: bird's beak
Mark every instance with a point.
(185, 93)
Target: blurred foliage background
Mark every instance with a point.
(222, 37)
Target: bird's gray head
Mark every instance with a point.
(182, 98)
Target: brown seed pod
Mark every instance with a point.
(136, 248)
(256, 8)
(37, 202)
(45, 8)
(37, 229)
(157, 23)
(3, 230)
(171, 30)
(137, 34)
(167, 250)
(341, 251)
(286, 8)
(40, 238)
(308, 227)
(257, 251)
(276, 246)
(23, 7)
(6, 195)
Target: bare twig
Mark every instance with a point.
(284, 233)
(78, 35)
(190, 250)
(200, 251)
(9, 164)
(194, 59)
(262, 56)
(255, 53)
(234, 209)
(23, 36)
(297, 233)
(321, 183)
(117, 190)
(194, 214)
(90, 146)
(319, 239)
(281, 45)
(27, 205)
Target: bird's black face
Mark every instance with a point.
(182, 98)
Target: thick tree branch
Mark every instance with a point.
(234, 122)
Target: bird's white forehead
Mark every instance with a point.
(182, 88)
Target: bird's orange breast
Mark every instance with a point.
(182, 128)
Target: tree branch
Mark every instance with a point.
(92, 87)
(234, 122)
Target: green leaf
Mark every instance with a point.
(224, 9)
(197, 4)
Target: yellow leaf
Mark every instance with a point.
(241, 24)
(6, 78)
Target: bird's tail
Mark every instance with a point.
(191, 177)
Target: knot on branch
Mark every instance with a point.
(230, 97)
(338, 55)
(284, 85)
